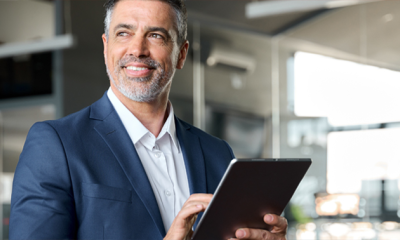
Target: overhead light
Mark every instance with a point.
(341, 3)
(388, 17)
(345, 3)
(237, 81)
(272, 8)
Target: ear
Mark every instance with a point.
(182, 55)
(105, 47)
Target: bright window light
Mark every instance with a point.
(347, 93)
(354, 156)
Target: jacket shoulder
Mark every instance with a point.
(99, 110)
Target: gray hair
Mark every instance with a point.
(178, 6)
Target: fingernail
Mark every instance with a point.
(269, 218)
(199, 206)
(241, 234)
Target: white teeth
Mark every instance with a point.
(136, 68)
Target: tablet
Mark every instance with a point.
(250, 189)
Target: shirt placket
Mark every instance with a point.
(167, 195)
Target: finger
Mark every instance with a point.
(191, 209)
(183, 218)
(248, 233)
(191, 203)
(200, 197)
(278, 223)
(183, 222)
(188, 213)
(206, 198)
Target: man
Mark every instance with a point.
(125, 167)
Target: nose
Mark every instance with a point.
(138, 47)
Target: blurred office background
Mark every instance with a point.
(299, 79)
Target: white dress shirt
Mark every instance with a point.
(161, 158)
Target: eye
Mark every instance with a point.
(155, 35)
(122, 34)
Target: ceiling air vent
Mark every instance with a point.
(230, 59)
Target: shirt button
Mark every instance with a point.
(157, 155)
(168, 193)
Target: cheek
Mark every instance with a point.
(115, 54)
(171, 57)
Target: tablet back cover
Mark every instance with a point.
(250, 189)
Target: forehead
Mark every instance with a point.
(144, 12)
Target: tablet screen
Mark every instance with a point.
(250, 189)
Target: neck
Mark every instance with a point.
(151, 114)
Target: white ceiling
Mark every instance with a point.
(371, 31)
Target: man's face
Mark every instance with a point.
(142, 53)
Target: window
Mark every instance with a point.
(359, 101)
(345, 92)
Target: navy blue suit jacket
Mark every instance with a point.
(81, 177)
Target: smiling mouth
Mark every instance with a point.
(137, 68)
(138, 71)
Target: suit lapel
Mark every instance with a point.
(114, 134)
(194, 160)
(193, 157)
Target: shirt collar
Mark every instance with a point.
(170, 128)
(135, 128)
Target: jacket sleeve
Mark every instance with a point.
(42, 202)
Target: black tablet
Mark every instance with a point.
(250, 189)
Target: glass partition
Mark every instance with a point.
(233, 70)
(237, 89)
(339, 81)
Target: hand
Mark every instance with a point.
(181, 228)
(278, 231)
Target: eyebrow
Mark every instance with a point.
(148, 29)
(124, 25)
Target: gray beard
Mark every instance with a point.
(147, 92)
